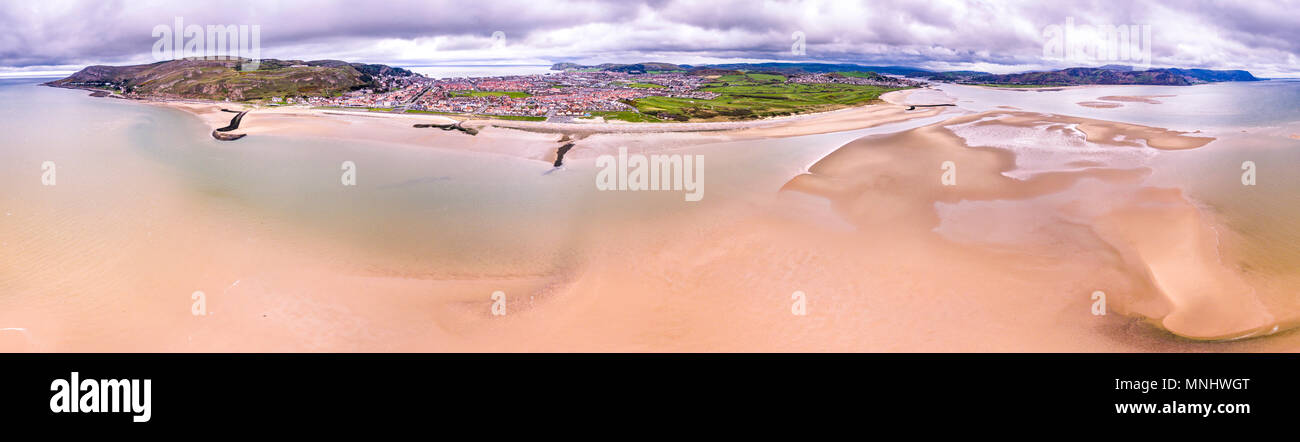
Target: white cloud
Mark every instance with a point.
(995, 36)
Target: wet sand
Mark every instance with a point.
(1149, 248)
(1148, 99)
(888, 258)
(1099, 104)
(541, 140)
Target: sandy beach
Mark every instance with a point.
(822, 122)
(1159, 235)
(1099, 104)
(539, 140)
(1167, 268)
(1045, 211)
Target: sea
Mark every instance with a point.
(110, 204)
(108, 196)
(1256, 126)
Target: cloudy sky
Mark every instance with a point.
(995, 36)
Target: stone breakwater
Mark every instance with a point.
(452, 126)
(222, 134)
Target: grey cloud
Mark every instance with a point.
(1256, 35)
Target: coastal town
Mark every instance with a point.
(643, 92)
(552, 96)
(538, 96)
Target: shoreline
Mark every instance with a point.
(538, 141)
(1170, 270)
(1182, 308)
(221, 133)
(893, 260)
(592, 127)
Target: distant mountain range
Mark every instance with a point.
(780, 68)
(226, 79)
(1109, 74)
(1081, 76)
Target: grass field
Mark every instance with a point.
(747, 96)
(634, 117)
(646, 85)
(218, 82)
(415, 111)
(515, 117)
(497, 117)
(490, 94)
(354, 109)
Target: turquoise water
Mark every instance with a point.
(1258, 122)
(1200, 107)
(421, 201)
(445, 210)
(440, 210)
(149, 208)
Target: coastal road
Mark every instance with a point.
(407, 105)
